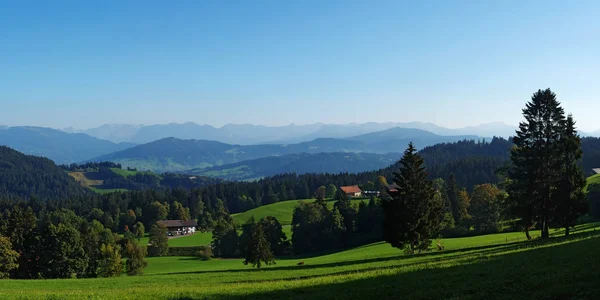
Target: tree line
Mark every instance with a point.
(61, 244)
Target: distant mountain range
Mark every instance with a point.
(301, 163)
(255, 142)
(245, 134)
(172, 154)
(57, 145)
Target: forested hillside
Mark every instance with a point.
(108, 176)
(25, 175)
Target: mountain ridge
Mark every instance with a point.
(173, 154)
(249, 134)
(57, 145)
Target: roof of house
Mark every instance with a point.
(179, 223)
(351, 189)
(597, 170)
(392, 188)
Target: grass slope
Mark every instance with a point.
(123, 172)
(561, 268)
(95, 184)
(592, 180)
(197, 239)
(84, 180)
(283, 211)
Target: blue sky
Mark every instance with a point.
(454, 63)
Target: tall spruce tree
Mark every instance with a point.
(570, 198)
(537, 161)
(452, 194)
(413, 215)
(258, 249)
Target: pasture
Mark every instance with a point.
(592, 180)
(283, 211)
(469, 268)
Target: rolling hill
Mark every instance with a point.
(57, 145)
(171, 154)
(283, 211)
(336, 162)
(25, 175)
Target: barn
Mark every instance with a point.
(352, 191)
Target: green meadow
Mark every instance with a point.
(593, 179)
(493, 266)
(283, 211)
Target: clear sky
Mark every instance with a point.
(454, 63)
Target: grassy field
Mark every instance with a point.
(197, 239)
(123, 172)
(469, 268)
(81, 178)
(106, 191)
(93, 184)
(593, 179)
(283, 211)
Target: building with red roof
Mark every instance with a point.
(352, 191)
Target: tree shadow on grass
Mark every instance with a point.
(436, 256)
(563, 271)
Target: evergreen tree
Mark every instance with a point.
(412, 216)
(593, 196)
(570, 200)
(258, 249)
(338, 228)
(340, 195)
(244, 239)
(452, 194)
(225, 239)
(159, 242)
(349, 214)
(537, 161)
(270, 196)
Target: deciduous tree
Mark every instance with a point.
(158, 240)
(485, 210)
(8, 258)
(110, 264)
(136, 261)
